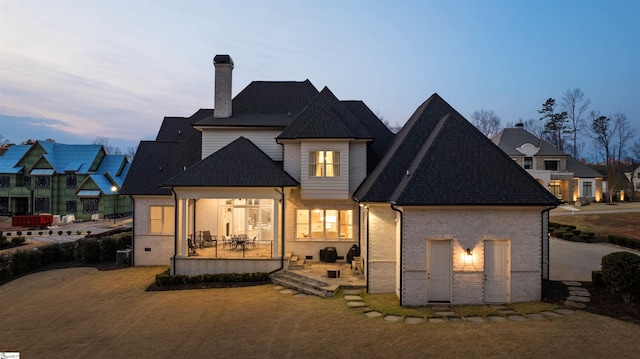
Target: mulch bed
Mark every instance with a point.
(205, 285)
(603, 302)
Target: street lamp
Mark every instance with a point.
(114, 189)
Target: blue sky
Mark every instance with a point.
(76, 70)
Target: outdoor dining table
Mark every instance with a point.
(239, 241)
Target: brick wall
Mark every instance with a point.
(382, 249)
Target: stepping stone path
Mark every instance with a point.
(578, 295)
(443, 314)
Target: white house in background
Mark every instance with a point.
(564, 176)
(284, 168)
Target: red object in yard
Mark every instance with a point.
(32, 220)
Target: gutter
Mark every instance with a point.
(175, 231)
(395, 208)
(133, 231)
(542, 256)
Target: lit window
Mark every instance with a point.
(587, 189)
(324, 164)
(161, 219)
(328, 224)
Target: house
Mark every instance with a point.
(284, 168)
(564, 176)
(66, 180)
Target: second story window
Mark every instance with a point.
(71, 180)
(324, 164)
(43, 182)
(528, 163)
(26, 181)
(552, 165)
(5, 182)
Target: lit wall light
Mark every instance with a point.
(468, 258)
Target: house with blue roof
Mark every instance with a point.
(61, 179)
(283, 176)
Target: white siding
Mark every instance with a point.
(215, 139)
(357, 164)
(292, 159)
(325, 187)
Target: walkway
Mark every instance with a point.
(443, 313)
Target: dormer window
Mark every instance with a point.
(324, 164)
(528, 163)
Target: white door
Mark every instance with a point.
(496, 271)
(439, 271)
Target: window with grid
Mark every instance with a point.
(161, 219)
(528, 163)
(5, 182)
(90, 205)
(71, 180)
(587, 189)
(42, 205)
(324, 164)
(71, 206)
(331, 224)
(43, 181)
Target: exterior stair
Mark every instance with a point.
(304, 284)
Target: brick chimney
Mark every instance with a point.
(222, 97)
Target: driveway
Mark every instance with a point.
(575, 260)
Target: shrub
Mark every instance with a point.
(17, 241)
(78, 232)
(29, 233)
(59, 233)
(88, 250)
(163, 279)
(576, 232)
(8, 234)
(88, 232)
(621, 273)
(68, 233)
(567, 235)
(19, 233)
(50, 232)
(40, 233)
(4, 243)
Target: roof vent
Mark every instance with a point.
(407, 173)
(519, 125)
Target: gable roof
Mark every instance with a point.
(239, 164)
(439, 158)
(325, 117)
(175, 129)
(265, 104)
(509, 139)
(10, 159)
(581, 170)
(157, 161)
(77, 158)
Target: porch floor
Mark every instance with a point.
(318, 271)
(262, 250)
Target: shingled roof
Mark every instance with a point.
(239, 164)
(509, 139)
(439, 158)
(325, 117)
(157, 161)
(265, 104)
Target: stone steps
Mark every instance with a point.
(303, 284)
(295, 262)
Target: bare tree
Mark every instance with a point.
(635, 151)
(486, 122)
(393, 128)
(575, 105)
(104, 141)
(624, 134)
(131, 153)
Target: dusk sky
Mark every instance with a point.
(76, 70)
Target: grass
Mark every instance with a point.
(82, 312)
(620, 224)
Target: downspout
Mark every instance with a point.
(133, 232)
(542, 256)
(175, 230)
(393, 207)
(282, 229)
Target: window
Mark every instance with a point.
(26, 180)
(328, 224)
(90, 205)
(71, 206)
(552, 165)
(161, 219)
(5, 182)
(528, 163)
(554, 187)
(42, 205)
(43, 181)
(71, 180)
(587, 189)
(324, 164)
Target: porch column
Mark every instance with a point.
(181, 230)
(276, 228)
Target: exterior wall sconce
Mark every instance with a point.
(468, 259)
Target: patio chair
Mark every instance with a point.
(208, 239)
(253, 242)
(227, 242)
(193, 251)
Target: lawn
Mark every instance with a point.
(621, 224)
(83, 312)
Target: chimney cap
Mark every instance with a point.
(519, 125)
(222, 59)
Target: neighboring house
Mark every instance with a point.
(635, 179)
(564, 176)
(49, 177)
(294, 170)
